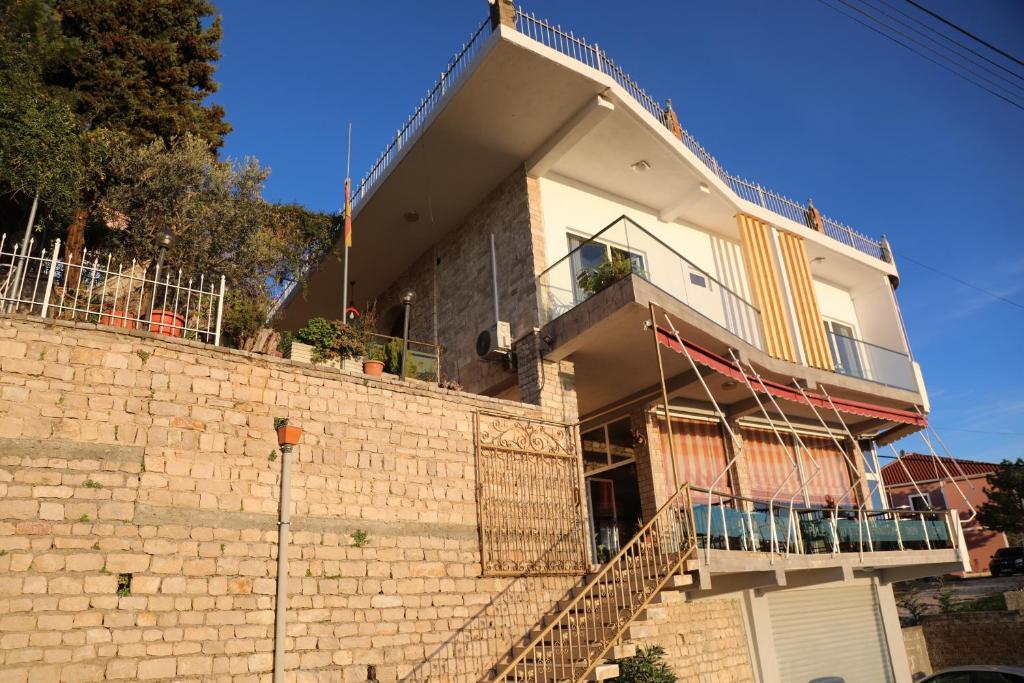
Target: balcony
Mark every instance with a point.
(767, 544)
(623, 248)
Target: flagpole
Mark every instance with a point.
(347, 228)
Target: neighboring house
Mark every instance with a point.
(543, 207)
(924, 482)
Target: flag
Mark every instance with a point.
(348, 212)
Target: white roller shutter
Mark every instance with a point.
(829, 632)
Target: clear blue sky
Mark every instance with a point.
(787, 93)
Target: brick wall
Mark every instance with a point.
(125, 454)
(975, 638)
(704, 641)
(453, 282)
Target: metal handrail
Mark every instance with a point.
(627, 219)
(865, 542)
(634, 576)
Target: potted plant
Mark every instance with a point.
(593, 280)
(374, 363)
(163, 321)
(287, 435)
(316, 342)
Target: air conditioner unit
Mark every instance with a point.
(495, 342)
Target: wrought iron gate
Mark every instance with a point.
(529, 497)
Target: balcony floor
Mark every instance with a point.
(616, 363)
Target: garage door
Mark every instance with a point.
(829, 632)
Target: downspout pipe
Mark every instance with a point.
(283, 529)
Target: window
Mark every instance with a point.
(608, 446)
(588, 254)
(920, 502)
(843, 344)
(698, 279)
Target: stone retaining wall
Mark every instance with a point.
(975, 638)
(139, 481)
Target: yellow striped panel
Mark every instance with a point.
(805, 302)
(764, 281)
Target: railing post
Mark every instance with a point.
(49, 278)
(597, 54)
(833, 516)
(220, 312)
(924, 527)
(899, 533)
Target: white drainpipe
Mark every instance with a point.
(281, 602)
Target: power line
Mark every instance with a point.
(967, 33)
(944, 42)
(952, 40)
(918, 53)
(965, 283)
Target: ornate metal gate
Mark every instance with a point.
(529, 497)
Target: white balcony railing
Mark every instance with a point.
(98, 289)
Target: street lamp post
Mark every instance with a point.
(408, 296)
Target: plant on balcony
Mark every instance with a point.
(332, 339)
(393, 359)
(593, 280)
(646, 666)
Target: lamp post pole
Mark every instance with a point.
(408, 296)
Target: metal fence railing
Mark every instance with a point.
(423, 362)
(99, 290)
(727, 522)
(624, 247)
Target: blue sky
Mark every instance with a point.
(789, 93)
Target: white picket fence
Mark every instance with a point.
(98, 289)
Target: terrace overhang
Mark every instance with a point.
(612, 347)
(517, 103)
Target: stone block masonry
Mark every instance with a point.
(139, 481)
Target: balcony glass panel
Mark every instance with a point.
(623, 248)
(858, 358)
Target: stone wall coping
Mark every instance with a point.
(409, 386)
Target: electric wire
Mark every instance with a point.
(952, 40)
(945, 46)
(963, 282)
(967, 33)
(899, 42)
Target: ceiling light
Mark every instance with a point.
(817, 259)
(412, 215)
(641, 166)
(730, 384)
(704, 188)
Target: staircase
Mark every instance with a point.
(574, 641)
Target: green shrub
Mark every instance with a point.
(593, 280)
(393, 359)
(646, 666)
(332, 339)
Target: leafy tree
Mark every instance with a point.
(218, 220)
(1004, 509)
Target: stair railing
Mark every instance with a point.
(578, 638)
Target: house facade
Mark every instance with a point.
(728, 360)
(924, 482)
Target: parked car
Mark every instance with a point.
(977, 674)
(1007, 561)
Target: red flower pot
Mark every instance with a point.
(373, 368)
(287, 435)
(166, 322)
(122, 319)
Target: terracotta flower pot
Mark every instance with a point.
(288, 435)
(373, 368)
(121, 319)
(166, 322)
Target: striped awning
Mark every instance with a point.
(700, 454)
(788, 393)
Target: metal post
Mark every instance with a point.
(281, 601)
(22, 268)
(220, 312)
(405, 336)
(49, 277)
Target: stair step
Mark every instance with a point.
(638, 630)
(667, 597)
(678, 582)
(655, 613)
(622, 651)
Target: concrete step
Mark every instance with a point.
(622, 651)
(555, 673)
(679, 582)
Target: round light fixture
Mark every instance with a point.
(412, 215)
(641, 166)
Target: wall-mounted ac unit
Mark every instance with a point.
(495, 342)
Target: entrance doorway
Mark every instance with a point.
(613, 495)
